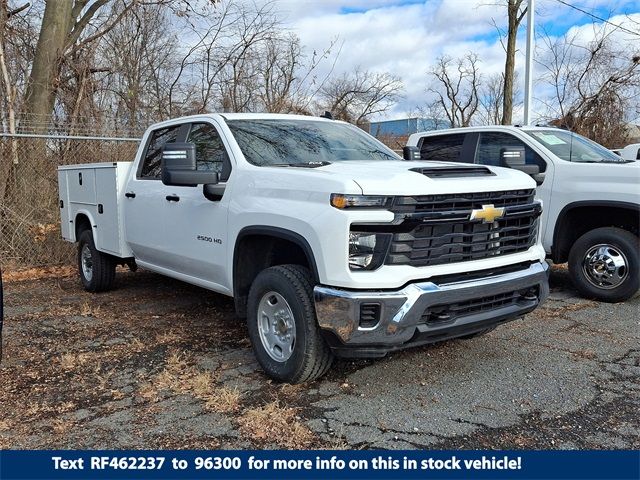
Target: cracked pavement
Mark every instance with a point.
(160, 364)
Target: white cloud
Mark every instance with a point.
(405, 38)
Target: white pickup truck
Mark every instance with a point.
(591, 197)
(328, 241)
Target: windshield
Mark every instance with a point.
(572, 147)
(305, 142)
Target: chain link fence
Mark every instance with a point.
(29, 215)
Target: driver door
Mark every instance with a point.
(195, 227)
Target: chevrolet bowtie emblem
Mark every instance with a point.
(488, 213)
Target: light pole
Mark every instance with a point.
(528, 75)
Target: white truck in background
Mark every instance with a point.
(328, 241)
(591, 197)
(630, 152)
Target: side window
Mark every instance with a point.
(490, 144)
(210, 151)
(446, 148)
(152, 163)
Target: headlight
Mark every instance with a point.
(341, 201)
(367, 251)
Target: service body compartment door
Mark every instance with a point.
(82, 185)
(65, 217)
(93, 191)
(107, 218)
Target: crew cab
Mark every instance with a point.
(591, 197)
(328, 241)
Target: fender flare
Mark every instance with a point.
(281, 233)
(92, 222)
(586, 203)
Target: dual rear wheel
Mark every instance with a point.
(97, 269)
(604, 264)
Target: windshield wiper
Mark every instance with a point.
(302, 165)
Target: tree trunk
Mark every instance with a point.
(41, 88)
(515, 18)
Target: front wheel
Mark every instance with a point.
(282, 325)
(604, 264)
(97, 270)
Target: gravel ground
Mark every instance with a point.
(161, 364)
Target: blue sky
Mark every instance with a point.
(404, 37)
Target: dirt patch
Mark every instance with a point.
(157, 363)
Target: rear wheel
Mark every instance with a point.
(282, 325)
(97, 270)
(604, 264)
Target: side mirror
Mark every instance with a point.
(515, 157)
(179, 167)
(512, 157)
(411, 153)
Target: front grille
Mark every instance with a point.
(438, 229)
(462, 202)
(448, 313)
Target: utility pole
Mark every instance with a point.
(528, 76)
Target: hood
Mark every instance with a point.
(603, 179)
(426, 178)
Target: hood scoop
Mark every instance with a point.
(454, 172)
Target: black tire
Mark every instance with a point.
(310, 357)
(624, 246)
(103, 267)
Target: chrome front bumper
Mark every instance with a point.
(405, 316)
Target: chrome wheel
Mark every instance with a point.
(276, 326)
(605, 266)
(86, 261)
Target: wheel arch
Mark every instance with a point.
(577, 218)
(277, 246)
(82, 221)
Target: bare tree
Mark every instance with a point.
(355, 97)
(456, 84)
(492, 94)
(515, 13)
(138, 57)
(595, 86)
(16, 44)
(66, 28)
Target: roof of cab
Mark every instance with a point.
(240, 116)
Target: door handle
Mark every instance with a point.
(130, 195)
(172, 198)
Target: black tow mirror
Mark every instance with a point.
(411, 153)
(515, 157)
(179, 167)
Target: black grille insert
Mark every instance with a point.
(437, 229)
(369, 315)
(440, 314)
(462, 202)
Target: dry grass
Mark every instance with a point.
(275, 424)
(181, 377)
(168, 337)
(562, 311)
(39, 273)
(74, 361)
(88, 310)
(62, 427)
(5, 425)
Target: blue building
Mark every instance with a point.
(404, 126)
